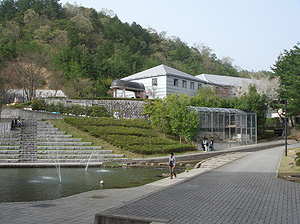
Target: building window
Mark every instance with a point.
(183, 84)
(175, 82)
(199, 85)
(192, 85)
(154, 82)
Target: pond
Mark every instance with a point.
(35, 184)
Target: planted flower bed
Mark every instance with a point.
(133, 135)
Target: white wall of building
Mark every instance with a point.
(161, 86)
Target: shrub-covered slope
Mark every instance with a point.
(132, 135)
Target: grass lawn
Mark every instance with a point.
(287, 167)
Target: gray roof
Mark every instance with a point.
(161, 70)
(221, 110)
(127, 85)
(225, 80)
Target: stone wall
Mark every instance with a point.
(126, 108)
(25, 114)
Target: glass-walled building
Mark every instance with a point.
(228, 127)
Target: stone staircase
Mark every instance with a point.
(216, 161)
(39, 142)
(28, 148)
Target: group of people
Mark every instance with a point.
(208, 146)
(16, 122)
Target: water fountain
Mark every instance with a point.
(57, 166)
(87, 164)
(38, 184)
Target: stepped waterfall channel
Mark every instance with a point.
(42, 163)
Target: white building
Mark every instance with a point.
(161, 80)
(223, 84)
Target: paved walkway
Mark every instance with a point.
(243, 191)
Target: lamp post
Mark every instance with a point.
(285, 127)
(93, 95)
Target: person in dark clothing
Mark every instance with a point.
(211, 144)
(172, 162)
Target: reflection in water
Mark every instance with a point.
(32, 184)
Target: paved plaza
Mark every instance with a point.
(243, 191)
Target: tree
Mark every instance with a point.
(27, 72)
(205, 97)
(158, 115)
(265, 85)
(255, 102)
(3, 90)
(287, 67)
(184, 122)
(79, 87)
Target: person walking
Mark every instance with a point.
(172, 162)
(212, 143)
(205, 143)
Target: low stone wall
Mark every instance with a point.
(125, 108)
(25, 114)
(204, 155)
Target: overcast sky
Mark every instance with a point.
(252, 32)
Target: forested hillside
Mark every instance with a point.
(74, 47)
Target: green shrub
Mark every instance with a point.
(51, 107)
(60, 107)
(298, 161)
(133, 135)
(96, 111)
(38, 104)
(273, 120)
(20, 105)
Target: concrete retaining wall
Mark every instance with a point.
(24, 114)
(204, 155)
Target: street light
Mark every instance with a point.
(93, 95)
(285, 127)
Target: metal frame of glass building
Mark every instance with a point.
(228, 126)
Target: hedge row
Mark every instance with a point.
(107, 121)
(92, 111)
(131, 135)
(98, 131)
(130, 140)
(160, 149)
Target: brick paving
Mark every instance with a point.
(243, 191)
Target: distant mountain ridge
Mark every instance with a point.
(81, 47)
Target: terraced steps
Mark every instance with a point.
(10, 144)
(58, 140)
(49, 145)
(54, 145)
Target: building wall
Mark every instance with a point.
(152, 90)
(224, 91)
(184, 88)
(125, 108)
